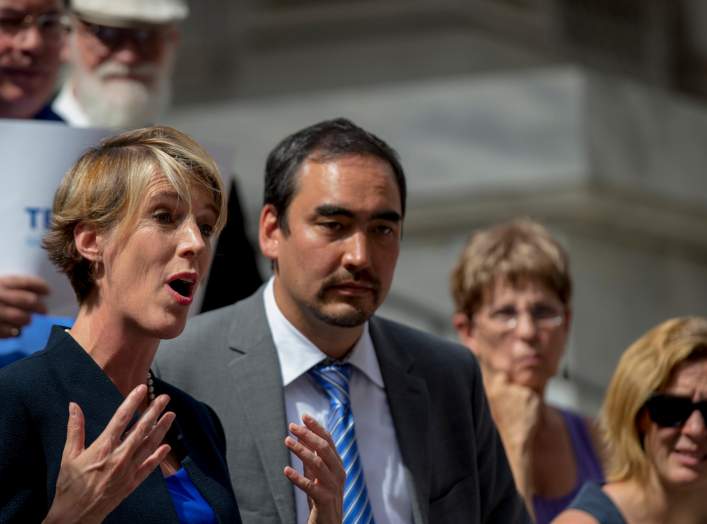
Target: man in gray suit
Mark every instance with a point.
(425, 449)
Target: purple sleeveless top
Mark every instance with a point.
(588, 469)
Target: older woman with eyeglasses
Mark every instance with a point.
(132, 225)
(654, 421)
(512, 291)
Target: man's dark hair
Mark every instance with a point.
(322, 142)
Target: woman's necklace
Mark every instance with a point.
(150, 386)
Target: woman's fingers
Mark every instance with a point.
(149, 464)
(152, 441)
(96, 479)
(121, 418)
(144, 426)
(319, 430)
(314, 464)
(75, 433)
(315, 438)
(302, 482)
(324, 476)
(324, 473)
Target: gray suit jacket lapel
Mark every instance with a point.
(409, 406)
(256, 372)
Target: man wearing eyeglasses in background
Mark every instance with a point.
(32, 34)
(512, 291)
(121, 54)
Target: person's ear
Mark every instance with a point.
(643, 424)
(269, 232)
(643, 421)
(89, 243)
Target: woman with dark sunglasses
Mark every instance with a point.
(654, 421)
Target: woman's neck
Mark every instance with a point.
(687, 505)
(549, 425)
(124, 354)
(652, 503)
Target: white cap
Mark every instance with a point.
(131, 12)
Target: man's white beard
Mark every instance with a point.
(122, 102)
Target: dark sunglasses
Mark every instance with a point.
(115, 37)
(669, 411)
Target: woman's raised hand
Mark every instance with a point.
(93, 481)
(323, 476)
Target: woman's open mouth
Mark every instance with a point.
(182, 287)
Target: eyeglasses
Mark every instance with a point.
(145, 39)
(507, 319)
(50, 25)
(670, 411)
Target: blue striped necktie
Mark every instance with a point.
(334, 379)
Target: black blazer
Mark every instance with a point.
(35, 395)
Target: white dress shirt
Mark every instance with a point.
(377, 444)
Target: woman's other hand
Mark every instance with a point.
(324, 474)
(93, 481)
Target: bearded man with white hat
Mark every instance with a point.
(121, 55)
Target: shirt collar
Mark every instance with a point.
(297, 354)
(67, 106)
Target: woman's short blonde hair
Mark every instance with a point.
(514, 251)
(107, 187)
(644, 368)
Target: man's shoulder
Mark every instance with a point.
(47, 113)
(208, 334)
(429, 354)
(203, 332)
(207, 321)
(183, 403)
(221, 320)
(418, 341)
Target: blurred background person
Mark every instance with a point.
(132, 224)
(512, 291)
(32, 33)
(121, 57)
(654, 420)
